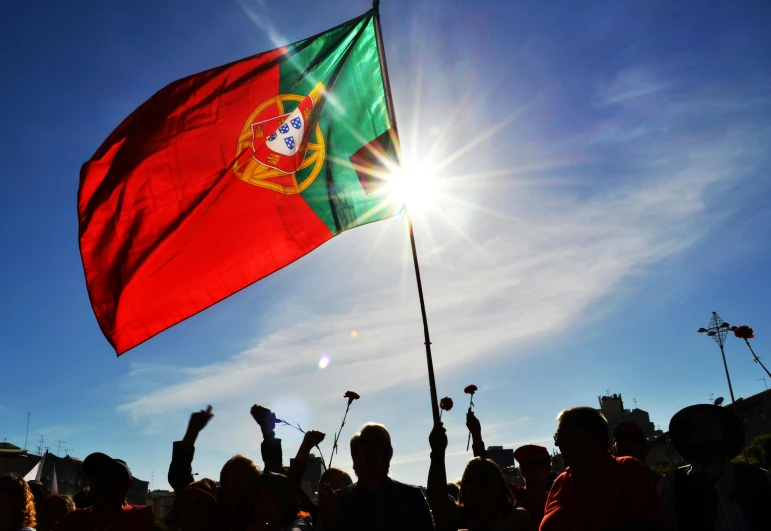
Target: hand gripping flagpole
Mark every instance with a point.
(395, 134)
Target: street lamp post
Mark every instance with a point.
(718, 330)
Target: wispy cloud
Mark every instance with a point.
(629, 84)
(530, 276)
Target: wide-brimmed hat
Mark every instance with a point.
(101, 466)
(693, 428)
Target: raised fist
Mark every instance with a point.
(264, 417)
(314, 438)
(438, 438)
(200, 419)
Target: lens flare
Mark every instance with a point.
(323, 362)
(354, 334)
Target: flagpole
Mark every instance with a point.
(392, 119)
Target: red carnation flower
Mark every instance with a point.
(351, 395)
(744, 332)
(470, 389)
(446, 403)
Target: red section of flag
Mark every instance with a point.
(166, 230)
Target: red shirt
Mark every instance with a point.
(533, 507)
(619, 490)
(131, 518)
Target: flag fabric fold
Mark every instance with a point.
(226, 176)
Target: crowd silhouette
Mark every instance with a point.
(605, 486)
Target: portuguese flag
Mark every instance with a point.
(226, 176)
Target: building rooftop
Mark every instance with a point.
(7, 448)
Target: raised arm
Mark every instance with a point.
(298, 465)
(181, 467)
(445, 510)
(270, 448)
(475, 427)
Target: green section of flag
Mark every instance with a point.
(353, 114)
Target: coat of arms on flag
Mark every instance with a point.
(284, 148)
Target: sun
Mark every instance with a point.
(414, 185)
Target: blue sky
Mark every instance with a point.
(620, 197)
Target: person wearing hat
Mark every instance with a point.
(196, 508)
(629, 441)
(534, 465)
(713, 493)
(110, 482)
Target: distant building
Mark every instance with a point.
(310, 481)
(503, 457)
(661, 453)
(755, 412)
(161, 502)
(612, 407)
(69, 472)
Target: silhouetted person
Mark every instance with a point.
(58, 506)
(110, 482)
(534, 466)
(453, 490)
(597, 491)
(196, 508)
(17, 505)
(238, 478)
(485, 501)
(376, 502)
(277, 506)
(82, 499)
(713, 493)
(629, 441)
(41, 494)
(335, 478)
(238, 489)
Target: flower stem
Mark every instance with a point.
(337, 437)
(756, 358)
(298, 428)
